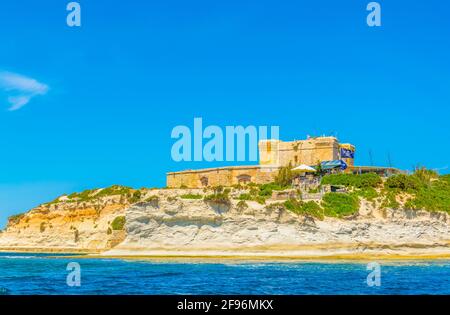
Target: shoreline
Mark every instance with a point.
(308, 254)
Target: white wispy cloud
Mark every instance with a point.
(20, 89)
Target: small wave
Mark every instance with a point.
(4, 291)
(19, 257)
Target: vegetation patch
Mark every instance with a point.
(260, 199)
(114, 191)
(245, 197)
(285, 176)
(305, 208)
(218, 198)
(154, 200)
(118, 223)
(135, 196)
(403, 182)
(14, 219)
(368, 193)
(353, 180)
(266, 190)
(390, 200)
(430, 191)
(93, 194)
(445, 178)
(433, 198)
(340, 205)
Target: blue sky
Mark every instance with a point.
(95, 106)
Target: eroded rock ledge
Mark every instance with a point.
(179, 227)
(162, 223)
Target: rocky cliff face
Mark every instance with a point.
(170, 225)
(162, 223)
(67, 224)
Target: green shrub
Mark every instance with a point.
(435, 197)
(245, 197)
(92, 194)
(285, 176)
(218, 198)
(135, 197)
(84, 195)
(254, 191)
(445, 178)
(154, 200)
(304, 208)
(390, 200)
(191, 196)
(260, 199)
(118, 223)
(424, 175)
(255, 197)
(293, 205)
(368, 193)
(267, 189)
(403, 182)
(352, 180)
(340, 205)
(313, 209)
(429, 191)
(114, 190)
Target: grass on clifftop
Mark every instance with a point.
(14, 219)
(260, 193)
(430, 191)
(353, 180)
(127, 193)
(91, 194)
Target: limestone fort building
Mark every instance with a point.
(273, 154)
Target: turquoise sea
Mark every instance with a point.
(44, 274)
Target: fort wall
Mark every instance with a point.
(273, 154)
(222, 176)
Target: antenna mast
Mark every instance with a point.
(389, 159)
